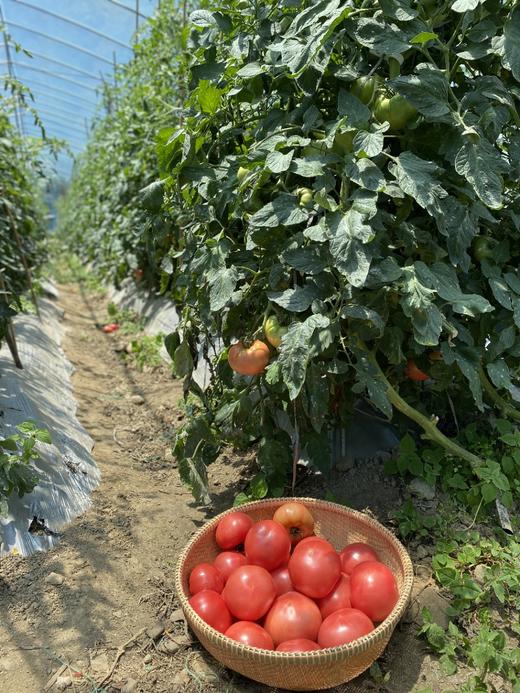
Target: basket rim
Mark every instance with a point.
(314, 656)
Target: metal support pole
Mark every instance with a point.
(10, 69)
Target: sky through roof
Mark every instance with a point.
(74, 44)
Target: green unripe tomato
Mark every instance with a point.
(274, 331)
(242, 173)
(365, 88)
(482, 248)
(306, 197)
(397, 110)
(343, 142)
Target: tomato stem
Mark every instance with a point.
(429, 425)
(508, 409)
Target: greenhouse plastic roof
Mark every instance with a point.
(74, 46)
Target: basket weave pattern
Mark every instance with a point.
(301, 671)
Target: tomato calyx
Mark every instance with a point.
(296, 519)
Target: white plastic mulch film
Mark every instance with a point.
(42, 392)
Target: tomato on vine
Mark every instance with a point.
(414, 373)
(396, 110)
(249, 360)
(274, 331)
(483, 248)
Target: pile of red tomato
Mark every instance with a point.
(289, 589)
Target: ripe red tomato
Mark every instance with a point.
(353, 554)
(296, 519)
(339, 598)
(232, 529)
(205, 577)
(314, 568)
(373, 589)
(249, 361)
(282, 580)
(227, 561)
(249, 592)
(210, 606)
(314, 537)
(111, 327)
(415, 373)
(293, 615)
(267, 544)
(344, 626)
(298, 645)
(251, 634)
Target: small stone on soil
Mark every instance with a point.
(177, 615)
(63, 682)
(137, 399)
(204, 670)
(437, 605)
(155, 631)
(54, 579)
(147, 659)
(420, 488)
(168, 646)
(479, 573)
(130, 686)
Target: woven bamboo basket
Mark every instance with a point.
(301, 671)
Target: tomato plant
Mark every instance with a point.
(293, 616)
(373, 589)
(344, 626)
(267, 544)
(363, 252)
(249, 592)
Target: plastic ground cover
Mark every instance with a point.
(42, 392)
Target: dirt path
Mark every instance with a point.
(115, 559)
(115, 563)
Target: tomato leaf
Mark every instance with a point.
(296, 352)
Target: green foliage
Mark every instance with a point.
(130, 323)
(22, 213)
(146, 351)
(111, 214)
(473, 635)
(498, 447)
(17, 452)
(351, 219)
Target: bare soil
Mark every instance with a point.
(116, 561)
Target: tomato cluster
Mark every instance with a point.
(289, 589)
